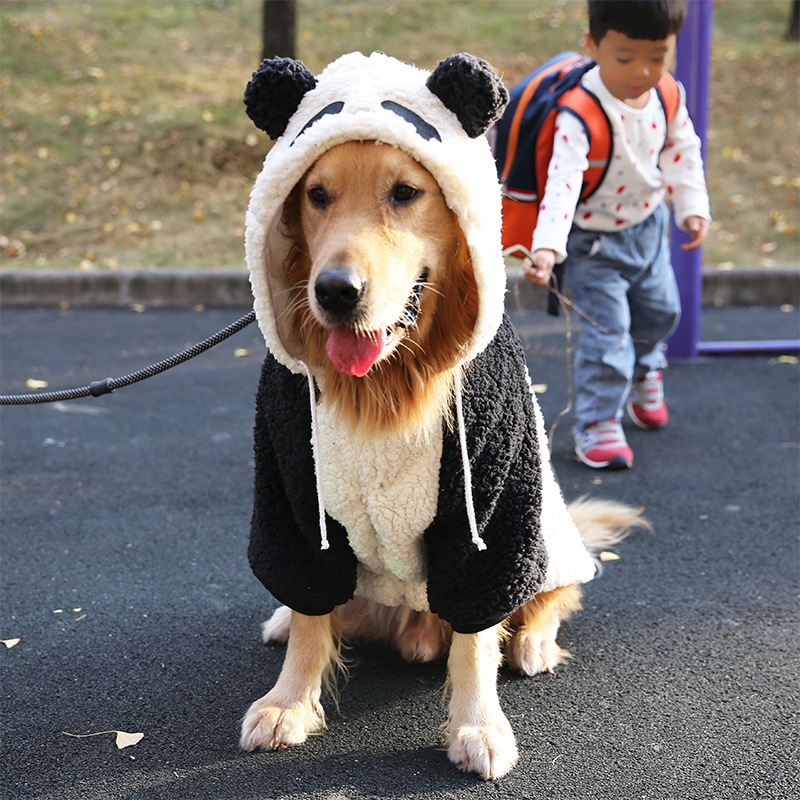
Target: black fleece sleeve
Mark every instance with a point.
(285, 552)
(473, 589)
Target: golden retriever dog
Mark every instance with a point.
(381, 304)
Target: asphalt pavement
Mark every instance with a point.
(125, 580)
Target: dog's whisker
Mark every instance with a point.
(298, 304)
(406, 345)
(431, 287)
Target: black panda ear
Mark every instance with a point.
(275, 92)
(471, 89)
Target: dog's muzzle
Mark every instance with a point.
(338, 291)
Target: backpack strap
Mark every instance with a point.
(669, 93)
(556, 67)
(586, 106)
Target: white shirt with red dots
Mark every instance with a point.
(648, 162)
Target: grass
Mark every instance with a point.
(124, 143)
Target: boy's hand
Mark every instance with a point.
(539, 270)
(698, 230)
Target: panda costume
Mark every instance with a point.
(468, 523)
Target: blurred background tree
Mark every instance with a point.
(278, 28)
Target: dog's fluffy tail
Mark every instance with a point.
(604, 523)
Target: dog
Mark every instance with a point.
(380, 304)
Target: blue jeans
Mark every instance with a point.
(624, 282)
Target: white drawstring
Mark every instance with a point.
(312, 399)
(473, 525)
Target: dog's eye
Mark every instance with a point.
(318, 196)
(403, 193)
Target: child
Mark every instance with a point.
(614, 244)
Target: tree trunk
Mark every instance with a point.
(277, 28)
(793, 31)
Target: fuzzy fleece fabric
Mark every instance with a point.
(469, 588)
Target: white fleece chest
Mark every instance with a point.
(384, 491)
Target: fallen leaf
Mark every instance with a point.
(32, 383)
(128, 739)
(607, 555)
(124, 739)
(734, 153)
(137, 307)
(539, 388)
(241, 352)
(9, 643)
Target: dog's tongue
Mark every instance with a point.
(352, 353)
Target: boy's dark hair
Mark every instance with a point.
(636, 19)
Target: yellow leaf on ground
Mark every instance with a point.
(9, 643)
(607, 555)
(539, 388)
(32, 383)
(242, 352)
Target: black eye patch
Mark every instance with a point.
(424, 129)
(333, 108)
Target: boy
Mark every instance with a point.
(614, 244)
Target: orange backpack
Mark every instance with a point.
(524, 143)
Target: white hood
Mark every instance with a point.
(377, 98)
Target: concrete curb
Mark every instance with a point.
(230, 288)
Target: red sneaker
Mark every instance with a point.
(646, 404)
(603, 444)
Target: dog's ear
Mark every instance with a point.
(275, 92)
(471, 89)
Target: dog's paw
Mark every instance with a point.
(488, 749)
(531, 651)
(272, 727)
(422, 648)
(276, 629)
(424, 639)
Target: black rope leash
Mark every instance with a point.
(108, 385)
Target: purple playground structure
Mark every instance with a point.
(692, 70)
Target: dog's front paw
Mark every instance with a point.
(270, 726)
(532, 650)
(488, 749)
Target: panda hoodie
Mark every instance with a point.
(468, 521)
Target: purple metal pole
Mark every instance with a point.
(692, 69)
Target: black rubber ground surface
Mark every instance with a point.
(124, 575)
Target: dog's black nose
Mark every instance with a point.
(338, 290)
